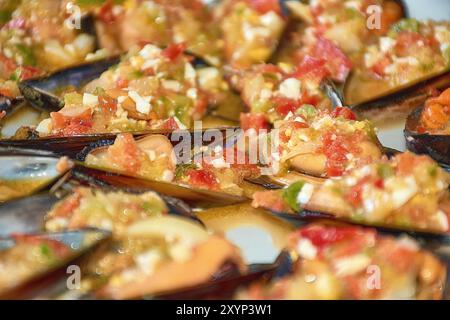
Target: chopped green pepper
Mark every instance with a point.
(385, 171)
(290, 194)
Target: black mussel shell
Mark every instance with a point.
(223, 285)
(400, 102)
(82, 242)
(77, 147)
(25, 174)
(99, 178)
(435, 145)
(25, 215)
(41, 92)
(9, 105)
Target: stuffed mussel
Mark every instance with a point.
(150, 250)
(345, 262)
(427, 128)
(35, 39)
(399, 72)
(408, 193)
(29, 261)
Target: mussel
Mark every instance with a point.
(316, 259)
(397, 74)
(400, 101)
(404, 208)
(44, 260)
(42, 93)
(419, 139)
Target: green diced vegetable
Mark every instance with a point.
(15, 76)
(5, 16)
(385, 171)
(290, 194)
(433, 170)
(181, 169)
(307, 111)
(46, 251)
(27, 54)
(411, 25)
(152, 207)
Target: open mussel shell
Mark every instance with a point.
(78, 146)
(95, 177)
(399, 101)
(224, 285)
(9, 105)
(25, 215)
(80, 242)
(435, 145)
(42, 92)
(430, 238)
(22, 175)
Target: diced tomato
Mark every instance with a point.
(106, 13)
(68, 205)
(268, 68)
(380, 66)
(28, 72)
(286, 105)
(173, 51)
(379, 183)
(69, 126)
(400, 258)
(256, 121)
(337, 61)
(312, 68)
(355, 194)
(125, 153)
(407, 42)
(8, 66)
(265, 6)
(270, 200)
(336, 150)
(122, 83)
(407, 161)
(202, 178)
(170, 124)
(2, 114)
(344, 112)
(107, 103)
(323, 236)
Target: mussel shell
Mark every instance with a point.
(223, 287)
(41, 92)
(435, 145)
(95, 177)
(24, 175)
(9, 105)
(37, 285)
(78, 146)
(430, 238)
(25, 215)
(402, 100)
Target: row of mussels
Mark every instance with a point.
(98, 185)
